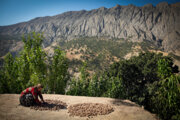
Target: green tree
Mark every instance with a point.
(104, 85)
(84, 79)
(116, 90)
(9, 75)
(3, 83)
(165, 68)
(73, 87)
(33, 68)
(80, 86)
(138, 78)
(93, 88)
(166, 100)
(125, 76)
(28, 69)
(58, 72)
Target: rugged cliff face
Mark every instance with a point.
(159, 24)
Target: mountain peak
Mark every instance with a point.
(149, 6)
(117, 6)
(162, 5)
(102, 8)
(177, 5)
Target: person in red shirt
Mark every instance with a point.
(29, 96)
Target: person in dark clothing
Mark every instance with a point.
(29, 96)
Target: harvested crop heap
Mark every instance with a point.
(89, 109)
(50, 105)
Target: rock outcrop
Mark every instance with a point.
(159, 24)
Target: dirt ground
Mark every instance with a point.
(123, 109)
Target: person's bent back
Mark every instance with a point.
(29, 96)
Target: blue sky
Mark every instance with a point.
(14, 11)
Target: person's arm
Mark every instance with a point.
(41, 97)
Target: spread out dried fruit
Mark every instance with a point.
(50, 105)
(89, 109)
(81, 109)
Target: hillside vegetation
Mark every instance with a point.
(100, 52)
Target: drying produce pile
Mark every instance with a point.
(50, 105)
(89, 109)
(81, 109)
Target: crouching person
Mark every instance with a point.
(29, 96)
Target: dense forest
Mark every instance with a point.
(150, 79)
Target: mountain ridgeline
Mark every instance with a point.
(159, 24)
(102, 35)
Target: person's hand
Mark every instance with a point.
(38, 103)
(43, 101)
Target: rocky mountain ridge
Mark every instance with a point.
(156, 24)
(159, 24)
